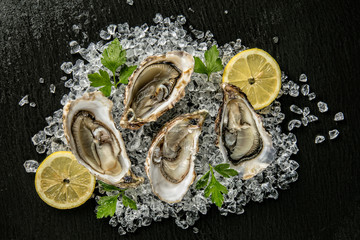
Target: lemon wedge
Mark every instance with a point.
(62, 182)
(257, 74)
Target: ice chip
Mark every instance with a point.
(311, 96)
(319, 139)
(52, 88)
(67, 67)
(41, 80)
(181, 19)
(306, 111)
(339, 116)
(158, 18)
(31, 166)
(305, 89)
(105, 35)
(74, 47)
(111, 28)
(275, 39)
(322, 107)
(38, 138)
(32, 104)
(303, 78)
(333, 133)
(312, 118)
(296, 109)
(40, 149)
(294, 123)
(304, 121)
(24, 100)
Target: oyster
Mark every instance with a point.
(242, 139)
(155, 86)
(170, 160)
(95, 141)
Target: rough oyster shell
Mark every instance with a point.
(155, 86)
(170, 160)
(242, 139)
(94, 140)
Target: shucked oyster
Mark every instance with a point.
(170, 161)
(155, 86)
(242, 139)
(95, 141)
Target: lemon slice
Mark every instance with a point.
(257, 74)
(62, 182)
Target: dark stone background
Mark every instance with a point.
(320, 38)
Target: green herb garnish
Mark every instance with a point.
(215, 188)
(212, 61)
(107, 204)
(113, 57)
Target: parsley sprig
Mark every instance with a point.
(113, 57)
(212, 61)
(215, 188)
(107, 204)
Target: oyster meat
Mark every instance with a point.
(94, 140)
(242, 139)
(170, 160)
(155, 86)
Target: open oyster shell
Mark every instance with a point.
(94, 140)
(155, 86)
(170, 160)
(242, 139)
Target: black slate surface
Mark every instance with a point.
(320, 38)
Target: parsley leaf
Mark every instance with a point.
(199, 66)
(225, 171)
(212, 61)
(107, 187)
(203, 181)
(215, 189)
(101, 80)
(125, 73)
(113, 56)
(107, 206)
(128, 202)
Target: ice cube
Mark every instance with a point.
(322, 107)
(333, 133)
(31, 166)
(74, 47)
(311, 96)
(303, 78)
(312, 118)
(52, 88)
(306, 111)
(294, 123)
(275, 39)
(339, 116)
(319, 139)
(305, 89)
(24, 100)
(296, 109)
(105, 35)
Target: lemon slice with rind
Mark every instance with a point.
(257, 74)
(62, 182)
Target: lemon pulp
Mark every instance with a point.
(62, 182)
(257, 74)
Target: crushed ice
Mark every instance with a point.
(166, 35)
